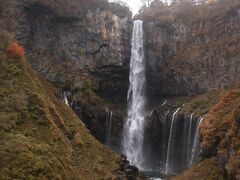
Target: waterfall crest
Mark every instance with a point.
(134, 125)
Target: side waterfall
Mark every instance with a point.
(180, 142)
(109, 115)
(189, 141)
(68, 98)
(134, 125)
(170, 141)
(65, 96)
(196, 144)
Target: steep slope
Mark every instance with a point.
(82, 47)
(206, 170)
(66, 39)
(220, 134)
(41, 137)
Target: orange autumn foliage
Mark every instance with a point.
(15, 50)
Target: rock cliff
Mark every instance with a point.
(82, 47)
(41, 137)
(191, 49)
(67, 41)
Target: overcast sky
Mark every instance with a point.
(134, 5)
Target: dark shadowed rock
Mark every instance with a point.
(188, 55)
(65, 40)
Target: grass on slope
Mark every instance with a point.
(40, 137)
(220, 133)
(206, 170)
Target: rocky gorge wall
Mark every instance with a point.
(82, 47)
(41, 137)
(69, 42)
(193, 49)
(192, 54)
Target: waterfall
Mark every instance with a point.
(164, 103)
(196, 144)
(69, 98)
(134, 125)
(170, 141)
(65, 95)
(180, 141)
(109, 115)
(164, 142)
(180, 133)
(189, 144)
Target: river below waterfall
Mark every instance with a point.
(157, 175)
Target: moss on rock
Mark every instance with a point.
(41, 138)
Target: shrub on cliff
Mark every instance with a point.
(15, 50)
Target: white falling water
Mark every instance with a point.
(134, 126)
(195, 147)
(170, 142)
(65, 97)
(109, 115)
(180, 142)
(164, 143)
(164, 103)
(189, 139)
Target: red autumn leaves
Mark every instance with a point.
(15, 50)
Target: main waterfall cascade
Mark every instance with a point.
(134, 125)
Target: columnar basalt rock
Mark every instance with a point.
(67, 40)
(190, 55)
(82, 47)
(171, 154)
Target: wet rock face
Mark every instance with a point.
(65, 40)
(96, 116)
(182, 149)
(192, 57)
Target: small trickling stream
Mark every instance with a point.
(109, 115)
